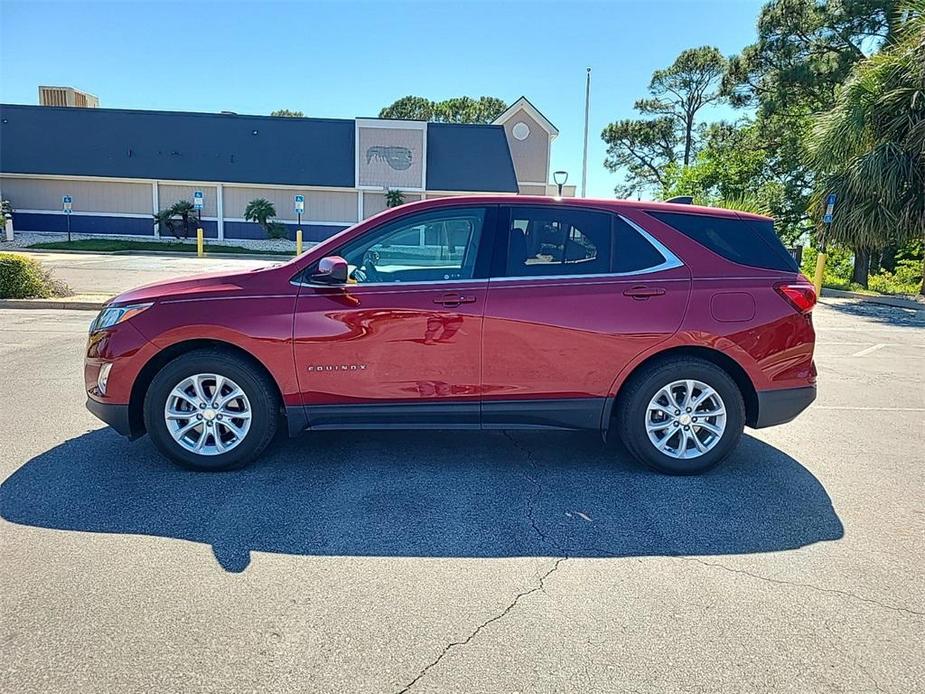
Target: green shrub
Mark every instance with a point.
(906, 280)
(22, 277)
(839, 268)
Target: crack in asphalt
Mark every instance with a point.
(454, 644)
(797, 584)
(531, 501)
(564, 555)
(539, 587)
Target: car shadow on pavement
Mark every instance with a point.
(879, 313)
(427, 494)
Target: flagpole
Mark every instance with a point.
(584, 158)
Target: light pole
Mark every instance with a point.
(584, 155)
(560, 177)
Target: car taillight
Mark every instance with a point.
(800, 295)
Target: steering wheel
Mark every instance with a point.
(367, 272)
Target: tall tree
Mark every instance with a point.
(463, 109)
(805, 49)
(409, 108)
(682, 89)
(286, 113)
(667, 133)
(870, 147)
(642, 150)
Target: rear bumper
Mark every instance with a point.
(781, 406)
(115, 416)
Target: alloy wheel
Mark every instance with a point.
(685, 419)
(207, 414)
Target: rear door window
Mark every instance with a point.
(632, 252)
(744, 241)
(545, 241)
(562, 240)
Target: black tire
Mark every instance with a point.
(261, 395)
(633, 401)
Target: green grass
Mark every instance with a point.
(111, 245)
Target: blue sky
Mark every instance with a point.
(346, 59)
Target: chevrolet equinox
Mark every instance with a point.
(672, 324)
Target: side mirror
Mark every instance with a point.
(332, 269)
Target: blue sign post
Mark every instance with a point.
(830, 201)
(197, 205)
(299, 209)
(66, 202)
(829, 208)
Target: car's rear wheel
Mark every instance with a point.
(682, 416)
(211, 410)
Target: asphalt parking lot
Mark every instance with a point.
(391, 562)
(107, 274)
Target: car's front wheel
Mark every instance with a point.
(211, 410)
(682, 416)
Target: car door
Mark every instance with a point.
(399, 344)
(575, 294)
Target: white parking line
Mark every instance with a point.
(865, 352)
(878, 409)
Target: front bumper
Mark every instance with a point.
(781, 406)
(116, 416)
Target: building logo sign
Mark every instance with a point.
(388, 157)
(399, 158)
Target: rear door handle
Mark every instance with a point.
(454, 299)
(644, 292)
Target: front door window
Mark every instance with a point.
(430, 247)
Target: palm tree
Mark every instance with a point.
(262, 212)
(394, 198)
(870, 148)
(177, 219)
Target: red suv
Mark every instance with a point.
(676, 325)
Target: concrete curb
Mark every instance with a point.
(75, 304)
(895, 301)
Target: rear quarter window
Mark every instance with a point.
(744, 241)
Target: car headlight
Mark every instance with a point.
(112, 315)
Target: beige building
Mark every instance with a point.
(119, 167)
(67, 96)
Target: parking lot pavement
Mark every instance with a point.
(425, 562)
(107, 274)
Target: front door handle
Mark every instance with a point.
(454, 299)
(644, 292)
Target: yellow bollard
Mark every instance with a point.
(820, 273)
(298, 242)
(199, 244)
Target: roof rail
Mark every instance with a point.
(682, 199)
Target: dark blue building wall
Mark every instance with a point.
(98, 224)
